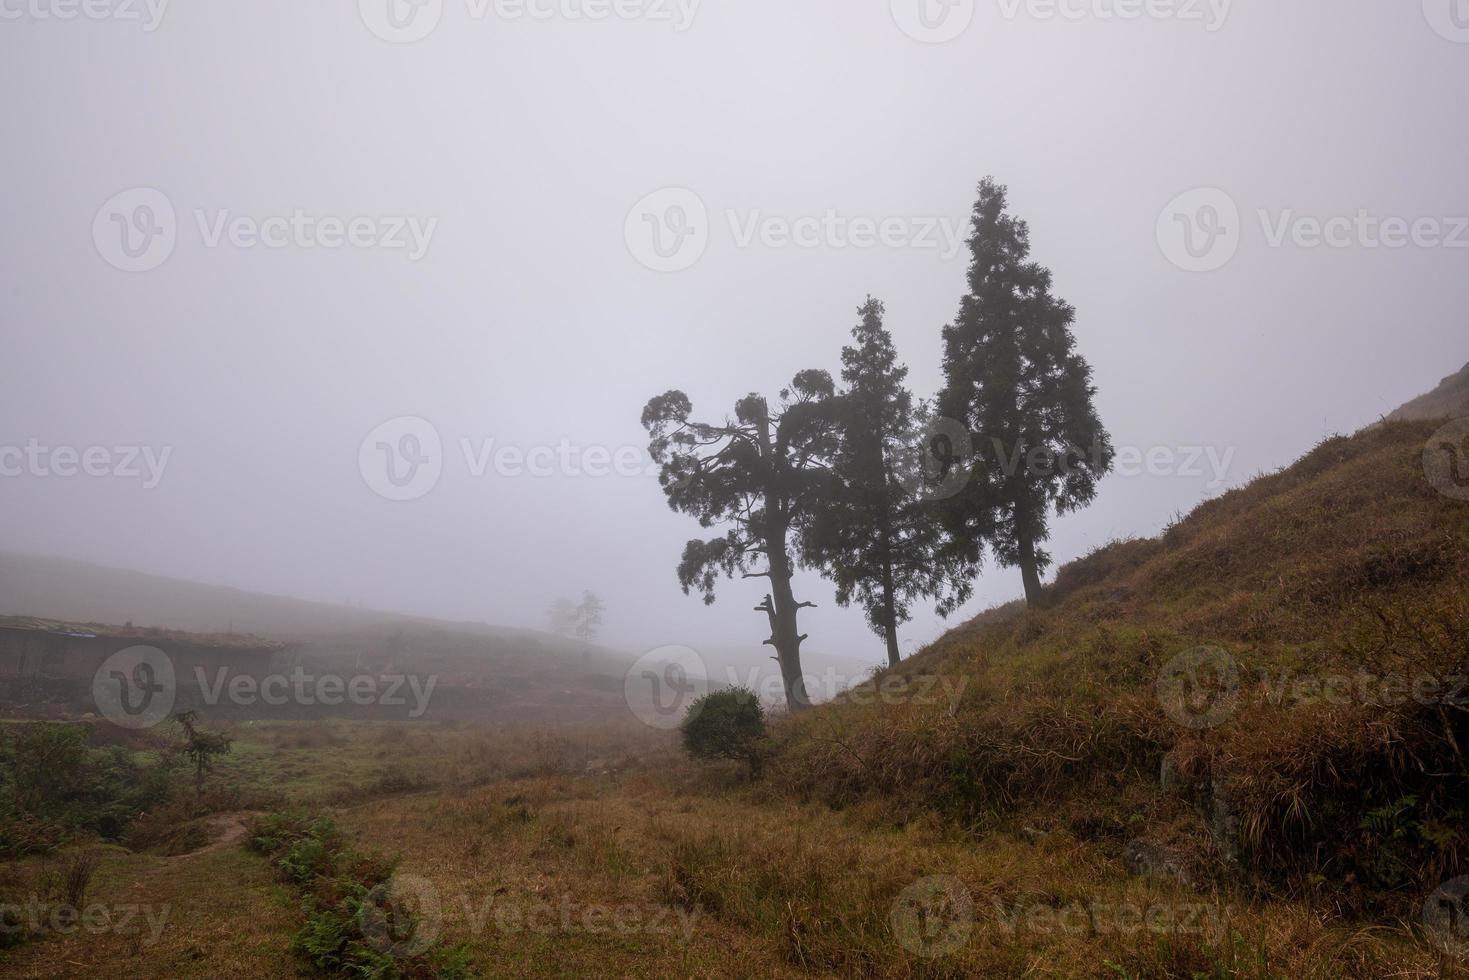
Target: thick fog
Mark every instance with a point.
(254, 340)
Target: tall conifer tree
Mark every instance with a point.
(877, 537)
(1013, 378)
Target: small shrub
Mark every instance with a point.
(76, 878)
(726, 725)
(201, 746)
(55, 785)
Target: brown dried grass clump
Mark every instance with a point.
(1347, 564)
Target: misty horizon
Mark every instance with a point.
(503, 295)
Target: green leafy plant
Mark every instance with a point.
(201, 746)
(339, 883)
(726, 725)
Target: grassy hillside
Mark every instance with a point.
(1450, 398)
(1232, 751)
(1272, 693)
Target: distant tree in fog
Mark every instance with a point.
(582, 620)
(588, 617)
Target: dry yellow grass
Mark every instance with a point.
(921, 835)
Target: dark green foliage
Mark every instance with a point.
(725, 725)
(54, 785)
(200, 746)
(1014, 380)
(762, 475)
(877, 536)
(355, 925)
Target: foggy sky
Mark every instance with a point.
(529, 320)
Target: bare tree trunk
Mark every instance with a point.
(1030, 574)
(785, 634)
(890, 614)
(781, 604)
(892, 638)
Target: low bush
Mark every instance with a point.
(726, 725)
(55, 785)
(356, 925)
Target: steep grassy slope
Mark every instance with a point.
(1450, 398)
(1271, 694)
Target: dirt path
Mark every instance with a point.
(226, 830)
